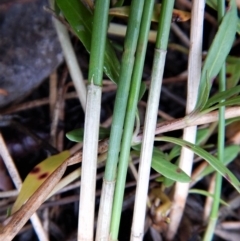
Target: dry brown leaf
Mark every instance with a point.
(178, 15)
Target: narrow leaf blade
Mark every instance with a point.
(230, 153)
(218, 52)
(168, 169)
(165, 167)
(37, 176)
(77, 134)
(213, 161)
(81, 21)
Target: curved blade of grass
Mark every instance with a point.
(81, 21)
(142, 90)
(164, 166)
(230, 121)
(207, 194)
(175, 152)
(213, 161)
(213, 4)
(230, 153)
(201, 135)
(224, 95)
(168, 169)
(232, 101)
(217, 53)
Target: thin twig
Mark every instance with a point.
(58, 113)
(54, 110)
(161, 113)
(52, 92)
(209, 200)
(34, 104)
(18, 183)
(71, 60)
(182, 36)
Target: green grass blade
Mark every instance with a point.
(175, 152)
(205, 193)
(230, 153)
(162, 165)
(213, 4)
(213, 161)
(218, 52)
(168, 169)
(231, 102)
(76, 135)
(232, 71)
(202, 134)
(224, 95)
(81, 21)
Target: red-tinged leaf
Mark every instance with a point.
(37, 176)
